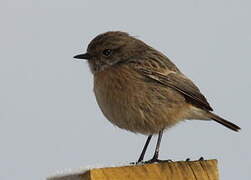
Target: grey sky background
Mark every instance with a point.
(48, 114)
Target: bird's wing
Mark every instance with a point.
(180, 83)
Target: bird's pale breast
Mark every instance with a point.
(134, 103)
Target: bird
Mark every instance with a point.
(141, 90)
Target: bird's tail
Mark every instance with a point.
(224, 122)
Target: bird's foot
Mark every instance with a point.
(200, 159)
(153, 160)
(137, 162)
(156, 160)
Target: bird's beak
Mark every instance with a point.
(83, 56)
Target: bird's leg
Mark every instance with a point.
(144, 149)
(156, 153)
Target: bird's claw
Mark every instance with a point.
(201, 159)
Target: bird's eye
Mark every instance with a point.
(107, 52)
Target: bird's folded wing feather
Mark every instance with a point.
(180, 83)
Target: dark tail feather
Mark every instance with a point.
(224, 122)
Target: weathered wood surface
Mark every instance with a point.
(180, 170)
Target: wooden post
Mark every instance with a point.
(180, 170)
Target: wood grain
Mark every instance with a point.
(180, 170)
